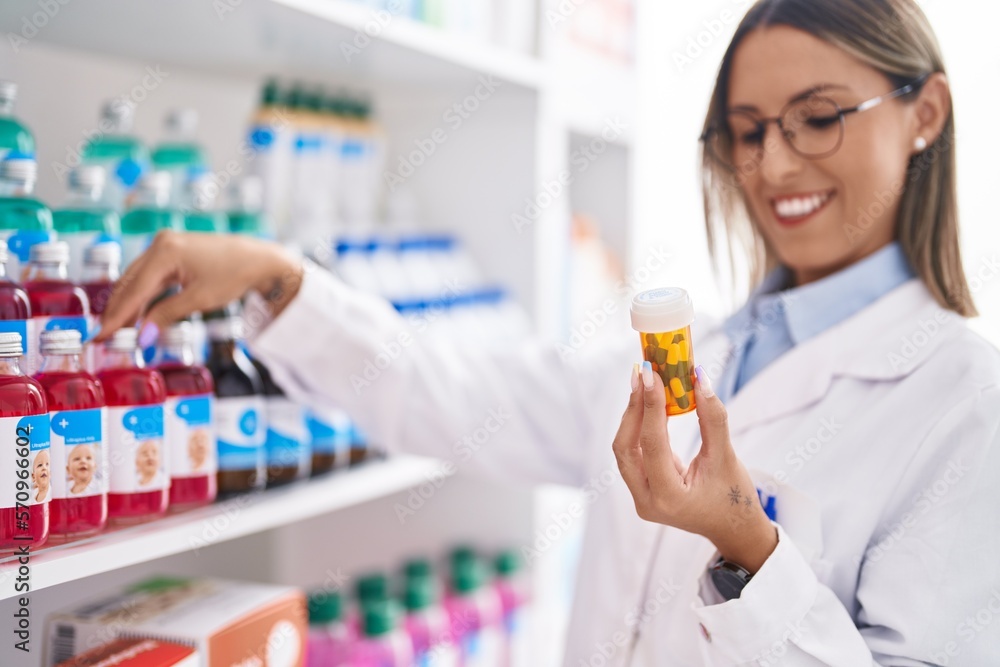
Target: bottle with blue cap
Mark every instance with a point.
(122, 155)
(24, 221)
(15, 137)
(15, 308)
(85, 219)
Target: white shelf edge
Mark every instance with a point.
(511, 66)
(221, 522)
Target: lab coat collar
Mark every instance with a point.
(883, 342)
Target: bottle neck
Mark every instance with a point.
(222, 349)
(10, 366)
(6, 107)
(10, 188)
(83, 198)
(61, 363)
(176, 354)
(113, 358)
(96, 273)
(47, 271)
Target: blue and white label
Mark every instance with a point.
(241, 431)
(287, 436)
(60, 323)
(137, 451)
(191, 436)
(26, 467)
(79, 463)
(329, 430)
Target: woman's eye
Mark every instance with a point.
(753, 137)
(822, 122)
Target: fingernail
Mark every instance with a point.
(647, 375)
(148, 334)
(703, 381)
(95, 331)
(635, 377)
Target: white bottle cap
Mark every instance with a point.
(662, 309)
(10, 344)
(50, 252)
(61, 342)
(123, 340)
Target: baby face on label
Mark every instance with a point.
(198, 445)
(40, 474)
(147, 461)
(81, 465)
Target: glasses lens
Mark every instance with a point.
(737, 141)
(814, 126)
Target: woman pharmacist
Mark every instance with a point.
(851, 392)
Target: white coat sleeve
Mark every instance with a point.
(527, 414)
(929, 587)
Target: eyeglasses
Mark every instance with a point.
(813, 127)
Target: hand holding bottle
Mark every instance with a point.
(211, 270)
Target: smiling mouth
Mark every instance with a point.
(799, 208)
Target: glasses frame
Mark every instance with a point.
(787, 133)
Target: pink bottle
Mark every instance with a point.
(474, 612)
(140, 483)
(382, 643)
(79, 446)
(427, 624)
(26, 489)
(512, 588)
(329, 637)
(56, 303)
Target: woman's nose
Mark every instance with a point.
(779, 162)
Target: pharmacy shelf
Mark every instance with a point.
(221, 522)
(259, 37)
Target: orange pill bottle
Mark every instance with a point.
(663, 318)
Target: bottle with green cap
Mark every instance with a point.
(15, 137)
(85, 219)
(270, 138)
(200, 212)
(24, 221)
(329, 637)
(122, 155)
(245, 215)
(474, 612)
(426, 621)
(149, 214)
(179, 154)
(382, 642)
(512, 589)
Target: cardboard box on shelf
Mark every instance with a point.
(229, 623)
(135, 652)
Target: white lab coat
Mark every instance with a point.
(879, 438)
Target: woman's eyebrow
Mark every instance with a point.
(798, 96)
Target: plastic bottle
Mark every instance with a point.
(25, 465)
(246, 214)
(240, 410)
(311, 216)
(15, 308)
(329, 637)
(663, 318)
(179, 154)
(124, 157)
(140, 483)
(289, 456)
(272, 134)
(200, 214)
(85, 220)
(24, 221)
(382, 642)
(15, 137)
(189, 417)
(475, 615)
(149, 214)
(513, 589)
(101, 264)
(79, 443)
(427, 624)
(56, 303)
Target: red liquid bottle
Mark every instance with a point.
(188, 413)
(79, 446)
(56, 303)
(14, 309)
(101, 269)
(24, 463)
(140, 485)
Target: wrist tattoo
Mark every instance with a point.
(734, 495)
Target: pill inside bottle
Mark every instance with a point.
(663, 318)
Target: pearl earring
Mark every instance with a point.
(919, 144)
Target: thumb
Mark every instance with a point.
(165, 312)
(713, 420)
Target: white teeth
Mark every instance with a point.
(794, 207)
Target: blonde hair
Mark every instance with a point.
(895, 38)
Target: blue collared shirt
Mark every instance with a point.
(776, 319)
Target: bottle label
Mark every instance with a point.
(79, 463)
(60, 323)
(241, 433)
(329, 430)
(138, 455)
(482, 648)
(190, 437)
(26, 470)
(287, 436)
